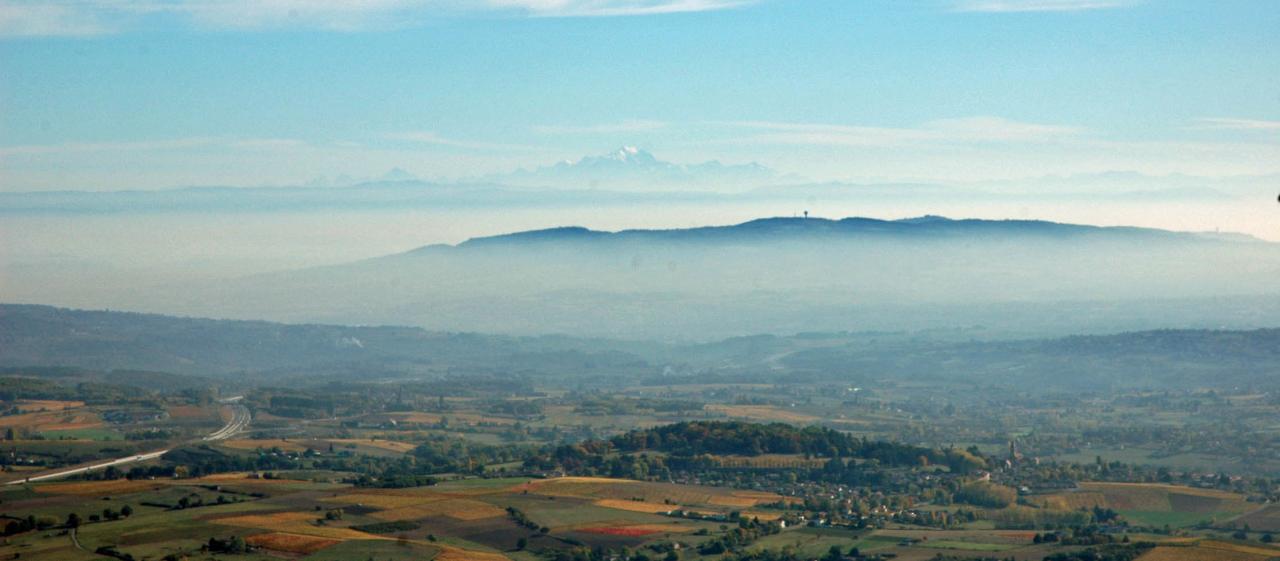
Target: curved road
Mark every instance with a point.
(240, 418)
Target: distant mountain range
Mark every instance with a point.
(772, 230)
(629, 168)
(776, 275)
(626, 176)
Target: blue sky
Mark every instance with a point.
(116, 95)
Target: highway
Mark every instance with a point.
(240, 418)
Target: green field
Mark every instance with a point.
(965, 546)
(83, 434)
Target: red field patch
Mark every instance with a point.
(290, 543)
(34, 405)
(636, 530)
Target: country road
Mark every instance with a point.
(240, 418)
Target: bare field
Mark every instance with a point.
(33, 405)
(623, 490)
(762, 413)
(1210, 551)
(1266, 519)
(291, 543)
(189, 412)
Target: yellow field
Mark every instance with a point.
(1071, 501)
(636, 506)
(392, 445)
(762, 413)
(1194, 491)
(744, 498)
(385, 501)
(293, 523)
(450, 553)
(98, 488)
(461, 509)
(52, 420)
(291, 543)
(1145, 497)
(248, 444)
(763, 516)
(1240, 548)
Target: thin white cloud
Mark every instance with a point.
(1238, 124)
(49, 19)
(195, 142)
(429, 137)
(968, 130)
(1014, 6)
(604, 128)
(137, 146)
(598, 8)
(41, 18)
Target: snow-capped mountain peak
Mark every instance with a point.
(633, 167)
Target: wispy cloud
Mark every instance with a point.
(1013, 6)
(49, 19)
(944, 131)
(1237, 124)
(429, 137)
(188, 143)
(141, 145)
(97, 17)
(598, 8)
(603, 128)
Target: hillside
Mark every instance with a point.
(778, 275)
(265, 352)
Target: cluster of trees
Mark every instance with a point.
(31, 522)
(747, 532)
(231, 545)
(74, 520)
(1126, 552)
(987, 494)
(695, 438)
(519, 517)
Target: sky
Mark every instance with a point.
(107, 95)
